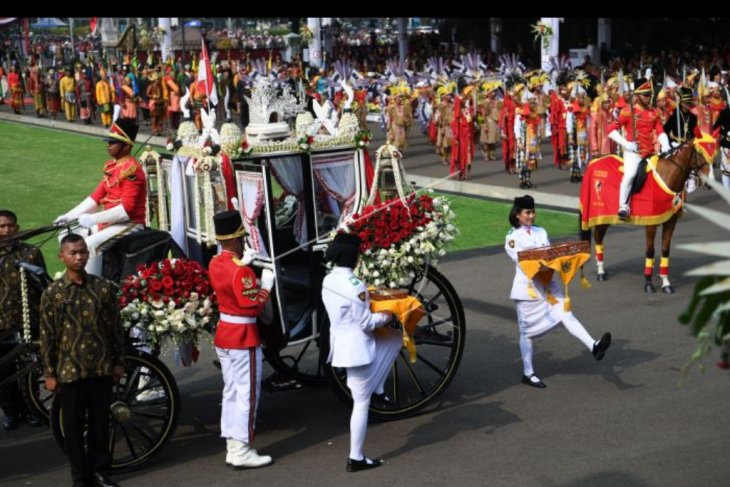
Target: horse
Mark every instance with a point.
(671, 172)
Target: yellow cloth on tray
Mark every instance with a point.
(409, 312)
(567, 266)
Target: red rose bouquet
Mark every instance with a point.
(399, 239)
(170, 298)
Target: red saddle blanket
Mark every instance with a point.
(653, 205)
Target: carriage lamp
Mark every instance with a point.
(388, 188)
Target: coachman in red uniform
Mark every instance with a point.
(122, 193)
(238, 345)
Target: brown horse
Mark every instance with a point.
(674, 170)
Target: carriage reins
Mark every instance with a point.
(686, 171)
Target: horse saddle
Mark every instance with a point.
(640, 179)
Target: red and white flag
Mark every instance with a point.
(92, 24)
(205, 76)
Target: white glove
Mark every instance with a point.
(267, 279)
(61, 220)
(86, 206)
(248, 256)
(112, 215)
(620, 140)
(87, 220)
(664, 143)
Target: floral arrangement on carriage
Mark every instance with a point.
(171, 298)
(401, 236)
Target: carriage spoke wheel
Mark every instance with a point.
(35, 393)
(143, 415)
(301, 361)
(439, 341)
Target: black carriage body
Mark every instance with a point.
(294, 227)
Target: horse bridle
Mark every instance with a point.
(686, 171)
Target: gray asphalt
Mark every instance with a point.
(620, 422)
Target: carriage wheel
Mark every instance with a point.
(301, 360)
(32, 386)
(144, 412)
(439, 341)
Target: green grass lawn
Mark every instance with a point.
(485, 223)
(47, 172)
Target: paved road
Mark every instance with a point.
(620, 422)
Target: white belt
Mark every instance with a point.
(237, 320)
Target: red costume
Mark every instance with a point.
(558, 127)
(507, 126)
(462, 146)
(124, 184)
(648, 125)
(238, 297)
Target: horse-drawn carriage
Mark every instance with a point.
(291, 201)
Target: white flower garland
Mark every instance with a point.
(162, 219)
(25, 305)
(204, 166)
(144, 158)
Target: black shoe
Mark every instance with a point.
(382, 400)
(529, 382)
(530, 185)
(10, 423)
(101, 480)
(623, 215)
(600, 347)
(364, 464)
(524, 185)
(32, 419)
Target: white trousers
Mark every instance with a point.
(725, 158)
(242, 371)
(631, 165)
(363, 381)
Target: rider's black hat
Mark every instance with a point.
(228, 225)
(122, 130)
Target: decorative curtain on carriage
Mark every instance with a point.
(288, 173)
(336, 174)
(177, 202)
(251, 187)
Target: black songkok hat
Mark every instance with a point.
(344, 250)
(228, 225)
(524, 202)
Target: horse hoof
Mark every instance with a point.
(649, 288)
(602, 277)
(668, 289)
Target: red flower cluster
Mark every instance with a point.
(166, 281)
(382, 225)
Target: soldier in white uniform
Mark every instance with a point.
(353, 345)
(535, 315)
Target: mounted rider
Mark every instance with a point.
(643, 129)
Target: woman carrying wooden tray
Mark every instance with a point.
(540, 300)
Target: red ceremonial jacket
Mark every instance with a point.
(124, 184)
(648, 125)
(238, 295)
